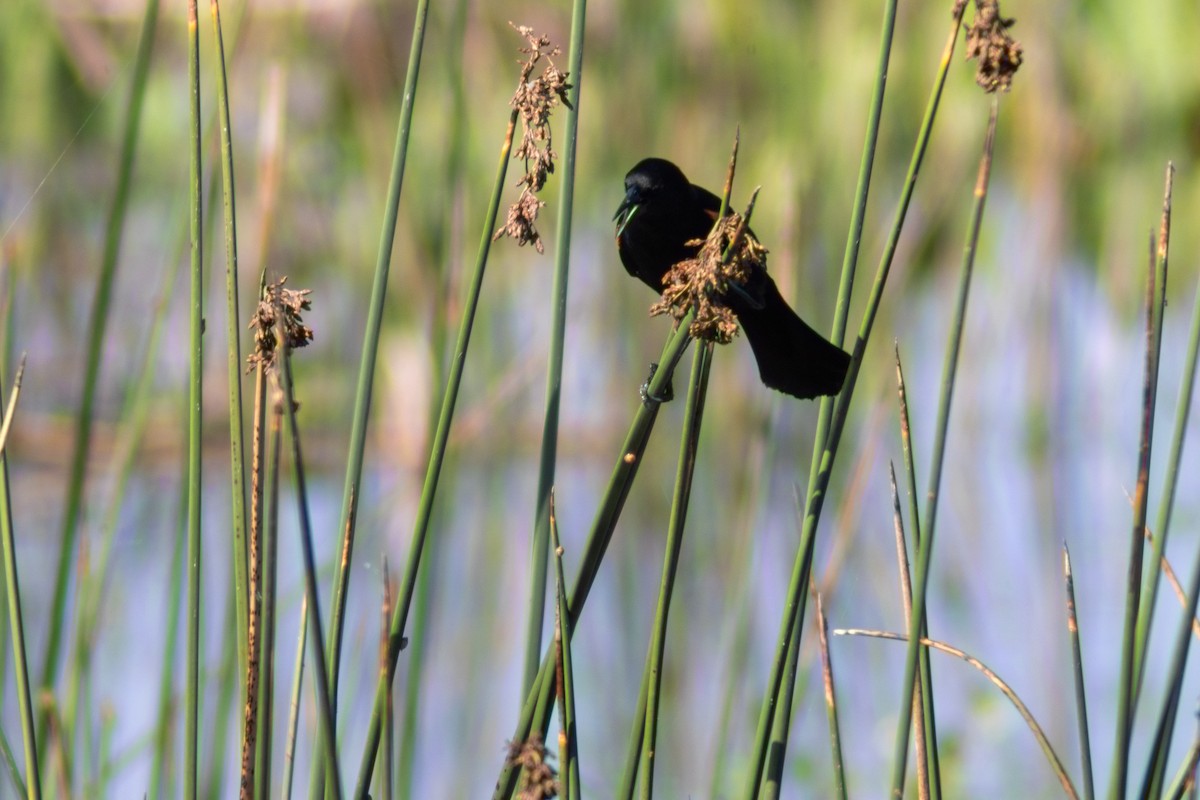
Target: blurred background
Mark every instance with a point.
(1044, 431)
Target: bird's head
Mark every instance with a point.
(652, 179)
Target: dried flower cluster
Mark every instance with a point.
(539, 781)
(278, 306)
(703, 281)
(533, 100)
(999, 54)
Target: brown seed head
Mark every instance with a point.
(278, 304)
(703, 281)
(539, 781)
(534, 99)
(999, 54)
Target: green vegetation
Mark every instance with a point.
(141, 490)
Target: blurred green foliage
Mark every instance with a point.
(1109, 92)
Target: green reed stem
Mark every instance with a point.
(233, 332)
(1127, 683)
(568, 741)
(1156, 769)
(1182, 409)
(97, 325)
(633, 749)
(1175, 673)
(16, 619)
(225, 679)
(841, 310)
(781, 726)
(90, 596)
(437, 453)
(195, 433)
(166, 687)
(558, 324)
(325, 719)
(441, 330)
(1185, 778)
(10, 766)
(826, 447)
(366, 372)
(689, 442)
(535, 712)
(902, 563)
(385, 678)
(1085, 742)
(926, 730)
(949, 371)
(289, 763)
(739, 654)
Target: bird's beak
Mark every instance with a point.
(625, 212)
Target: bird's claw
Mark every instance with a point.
(668, 393)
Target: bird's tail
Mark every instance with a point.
(791, 356)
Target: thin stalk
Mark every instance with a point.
(254, 647)
(841, 313)
(224, 706)
(1176, 586)
(1056, 764)
(289, 755)
(321, 780)
(8, 331)
(859, 212)
(1182, 411)
(385, 678)
(1157, 764)
(781, 727)
(841, 309)
(265, 527)
(11, 769)
(440, 331)
(366, 370)
(764, 449)
(437, 453)
(1085, 742)
(568, 737)
(233, 332)
(1156, 767)
(16, 620)
(1127, 688)
(558, 325)
(633, 749)
(409, 733)
(949, 371)
(195, 442)
(689, 441)
(929, 764)
(906, 599)
(1185, 779)
(835, 737)
(825, 448)
(325, 720)
(166, 690)
(534, 714)
(96, 338)
(90, 597)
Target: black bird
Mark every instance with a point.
(661, 212)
